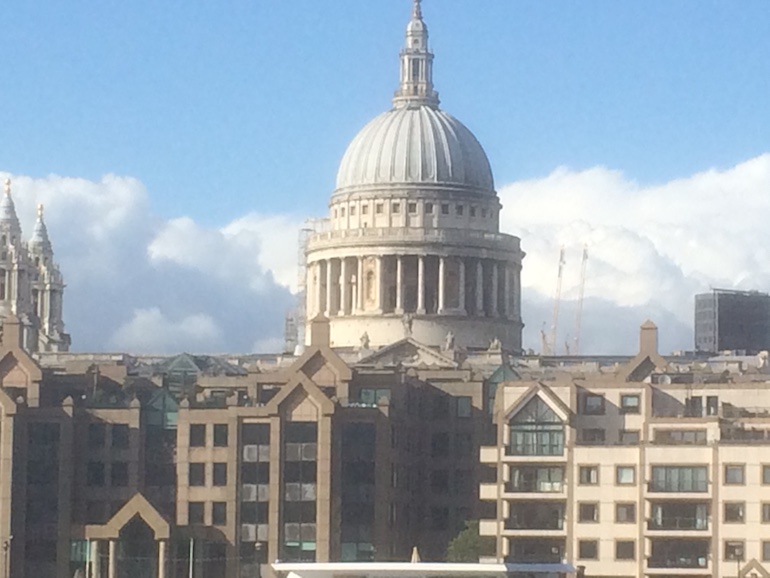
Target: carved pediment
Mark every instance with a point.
(409, 353)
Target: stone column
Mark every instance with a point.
(441, 285)
(343, 287)
(112, 569)
(378, 284)
(507, 296)
(479, 288)
(161, 559)
(96, 569)
(328, 311)
(399, 284)
(360, 285)
(495, 283)
(421, 285)
(461, 289)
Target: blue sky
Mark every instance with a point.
(631, 126)
(222, 106)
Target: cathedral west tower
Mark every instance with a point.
(412, 246)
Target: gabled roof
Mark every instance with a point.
(546, 395)
(300, 382)
(136, 506)
(753, 566)
(409, 353)
(337, 364)
(641, 366)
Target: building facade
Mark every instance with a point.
(730, 320)
(412, 246)
(118, 466)
(654, 467)
(31, 285)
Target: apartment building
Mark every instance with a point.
(119, 466)
(648, 468)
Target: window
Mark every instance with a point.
(593, 404)
(195, 513)
(589, 475)
(734, 550)
(625, 513)
(395, 208)
(197, 474)
(464, 405)
(535, 479)
(592, 436)
(119, 474)
(588, 512)
(219, 513)
(120, 436)
(364, 209)
(629, 437)
(444, 209)
(734, 475)
(197, 435)
(378, 208)
(688, 437)
(625, 550)
(766, 513)
(679, 479)
(629, 403)
(765, 551)
(220, 435)
(220, 474)
(95, 474)
(625, 475)
(588, 550)
(536, 431)
(766, 475)
(342, 212)
(460, 209)
(473, 211)
(735, 512)
(483, 213)
(411, 208)
(429, 208)
(96, 435)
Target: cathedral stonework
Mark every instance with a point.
(31, 285)
(412, 246)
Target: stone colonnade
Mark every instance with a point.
(95, 570)
(416, 284)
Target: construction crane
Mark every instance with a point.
(581, 292)
(557, 302)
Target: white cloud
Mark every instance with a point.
(150, 331)
(650, 247)
(140, 283)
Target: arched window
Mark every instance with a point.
(536, 431)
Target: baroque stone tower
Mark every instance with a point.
(412, 246)
(31, 285)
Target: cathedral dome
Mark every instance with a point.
(418, 144)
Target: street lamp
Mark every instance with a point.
(258, 559)
(6, 557)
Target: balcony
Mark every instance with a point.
(544, 516)
(678, 523)
(535, 480)
(536, 551)
(685, 554)
(535, 449)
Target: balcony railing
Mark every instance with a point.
(534, 487)
(678, 562)
(678, 523)
(536, 524)
(689, 488)
(556, 449)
